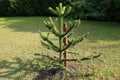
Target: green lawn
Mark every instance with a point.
(19, 41)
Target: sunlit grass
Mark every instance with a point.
(19, 38)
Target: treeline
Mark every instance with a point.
(102, 10)
(26, 7)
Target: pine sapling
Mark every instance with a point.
(62, 35)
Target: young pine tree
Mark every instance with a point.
(61, 11)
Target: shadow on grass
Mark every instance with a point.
(98, 30)
(23, 24)
(22, 69)
(54, 71)
(16, 70)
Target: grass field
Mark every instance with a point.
(19, 41)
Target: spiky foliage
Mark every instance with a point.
(61, 11)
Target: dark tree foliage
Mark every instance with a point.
(27, 7)
(4, 7)
(102, 10)
(111, 9)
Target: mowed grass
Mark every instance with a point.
(19, 41)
